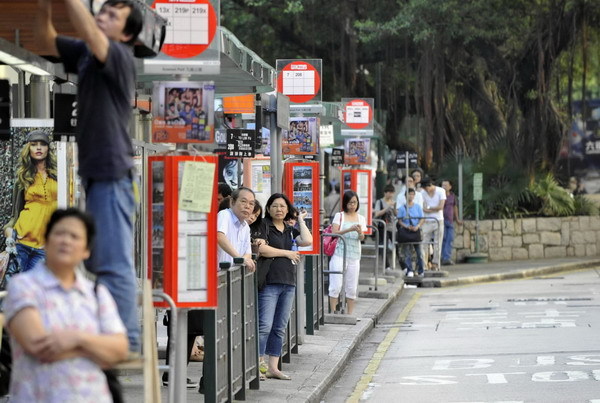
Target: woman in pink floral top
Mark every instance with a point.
(63, 332)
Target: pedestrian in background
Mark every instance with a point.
(34, 200)
(410, 217)
(63, 328)
(450, 217)
(277, 296)
(331, 203)
(103, 62)
(385, 209)
(352, 226)
(434, 198)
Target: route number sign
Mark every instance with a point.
(300, 80)
(191, 26)
(478, 186)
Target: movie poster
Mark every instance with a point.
(302, 138)
(357, 151)
(183, 112)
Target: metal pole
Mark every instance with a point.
(460, 187)
(172, 324)
(178, 370)
(394, 229)
(374, 228)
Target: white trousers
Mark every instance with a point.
(350, 277)
(433, 232)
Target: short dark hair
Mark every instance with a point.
(236, 193)
(426, 182)
(389, 188)
(348, 195)
(287, 201)
(412, 190)
(135, 20)
(447, 180)
(85, 218)
(224, 189)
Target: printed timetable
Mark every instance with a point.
(187, 24)
(299, 82)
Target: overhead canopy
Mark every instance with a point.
(242, 70)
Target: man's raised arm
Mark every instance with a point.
(87, 29)
(44, 32)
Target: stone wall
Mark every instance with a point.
(530, 238)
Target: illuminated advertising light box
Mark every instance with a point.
(301, 186)
(182, 222)
(183, 112)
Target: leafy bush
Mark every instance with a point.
(584, 206)
(554, 200)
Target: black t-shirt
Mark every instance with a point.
(104, 110)
(282, 270)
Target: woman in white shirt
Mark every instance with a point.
(352, 226)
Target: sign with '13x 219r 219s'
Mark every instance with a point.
(241, 143)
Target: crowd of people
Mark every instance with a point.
(422, 206)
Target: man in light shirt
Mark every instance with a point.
(233, 232)
(401, 197)
(434, 198)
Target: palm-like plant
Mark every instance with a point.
(553, 199)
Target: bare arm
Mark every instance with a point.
(27, 328)
(269, 251)
(86, 27)
(305, 238)
(459, 222)
(44, 32)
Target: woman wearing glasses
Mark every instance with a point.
(277, 296)
(352, 226)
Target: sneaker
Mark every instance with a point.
(388, 269)
(447, 263)
(410, 274)
(422, 274)
(189, 383)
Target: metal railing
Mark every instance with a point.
(231, 337)
(342, 296)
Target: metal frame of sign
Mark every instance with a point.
(302, 186)
(360, 181)
(190, 46)
(169, 265)
(300, 79)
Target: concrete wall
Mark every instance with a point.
(530, 238)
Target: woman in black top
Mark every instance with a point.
(276, 298)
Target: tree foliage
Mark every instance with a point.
(450, 75)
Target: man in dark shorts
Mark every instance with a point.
(103, 60)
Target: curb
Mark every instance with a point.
(513, 275)
(370, 320)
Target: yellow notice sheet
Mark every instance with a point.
(195, 193)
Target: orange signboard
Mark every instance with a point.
(239, 104)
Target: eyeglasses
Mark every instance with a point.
(247, 203)
(353, 202)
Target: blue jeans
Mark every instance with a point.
(407, 257)
(28, 256)
(447, 242)
(112, 205)
(274, 307)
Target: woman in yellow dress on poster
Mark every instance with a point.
(34, 200)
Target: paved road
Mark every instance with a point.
(531, 340)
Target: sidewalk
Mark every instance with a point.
(322, 357)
